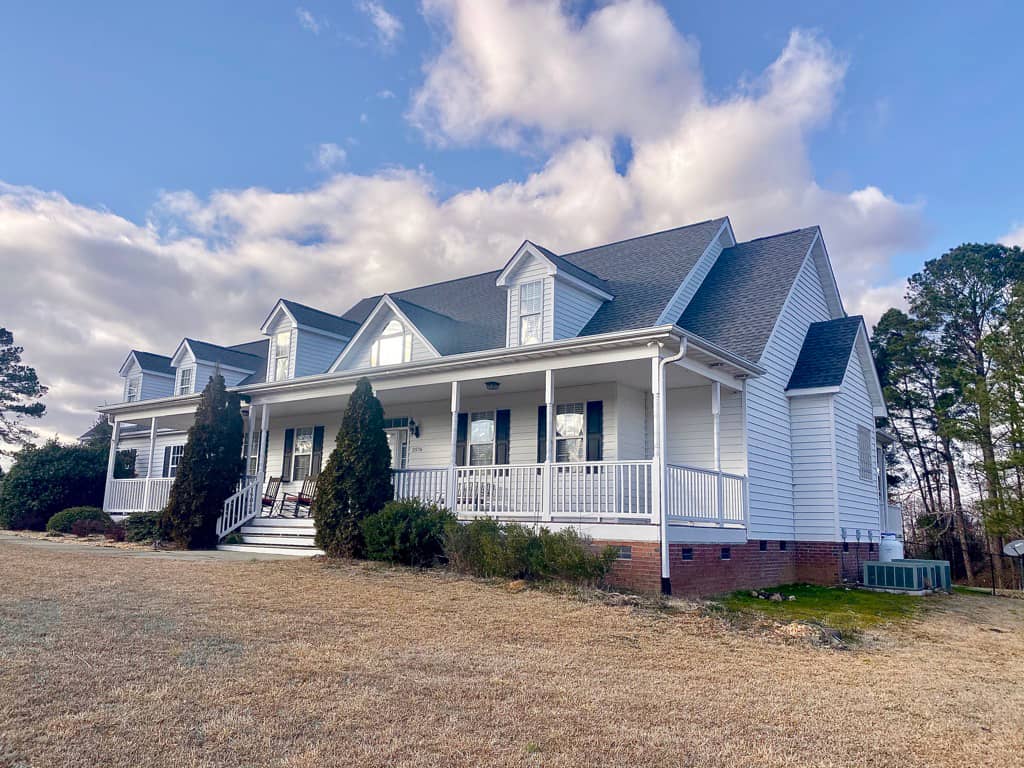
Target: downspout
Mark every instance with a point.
(662, 411)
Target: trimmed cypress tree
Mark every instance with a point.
(356, 482)
(208, 473)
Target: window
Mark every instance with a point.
(175, 459)
(764, 545)
(726, 553)
(687, 553)
(531, 302)
(253, 465)
(570, 426)
(625, 553)
(393, 346)
(134, 387)
(282, 354)
(185, 381)
(303, 454)
(481, 438)
(864, 452)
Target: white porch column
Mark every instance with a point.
(248, 442)
(115, 436)
(549, 442)
(658, 506)
(716, 413)
(149, 462)
(453, 447)
(264, 439)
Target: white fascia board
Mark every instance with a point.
(862, 348)
(322, 332)
(385, 302)
(122, 371)
(524, 250)
(176, 357)
(158, 406)
(279, 307)
(812, 391)
(829, 285)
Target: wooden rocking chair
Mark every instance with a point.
(270, 494)
(304, 498)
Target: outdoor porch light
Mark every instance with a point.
(492, 386)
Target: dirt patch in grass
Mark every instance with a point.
(126, 661)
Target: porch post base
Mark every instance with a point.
(666, 585)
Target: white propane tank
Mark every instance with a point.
(890, 548)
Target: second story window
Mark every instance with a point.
(282, 353)
(531, 302)
(134, 387)
(393, 346)
(185, 381)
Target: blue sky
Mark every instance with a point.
(122, 114)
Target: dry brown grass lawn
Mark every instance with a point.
(113, 659)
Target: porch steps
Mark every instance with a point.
(277, 536)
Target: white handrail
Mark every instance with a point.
(429, 485)
(695, 494)
(128, 495)
(241, 507)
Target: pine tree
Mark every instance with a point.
(20, 391)
(208, 473)
(356, 482)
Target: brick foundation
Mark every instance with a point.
(748, 567)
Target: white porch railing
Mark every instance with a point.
(600, 489)
(241, 507)
(123, 497)
(507, 490)
(606, 491)
(693, 494)
(429, 485)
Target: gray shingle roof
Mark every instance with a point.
(570, 268)
(153, 363)
(324, 321)
(825, 353)
(233, 357)
(739, 301)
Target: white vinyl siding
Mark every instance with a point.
(314, 352)
(814, 483)
(631, 414)
(572, 309)
(858, 497)
(185, 383)
(151, 385)
(359, 357)
(140, 443)
(768, 421)
(690, 432)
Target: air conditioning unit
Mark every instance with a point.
(908, 575)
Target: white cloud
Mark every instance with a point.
(308, 21)
(210, 267)
(387, 25)
(385, 94)
(1014, 237)
(515, 69)
(329, 156)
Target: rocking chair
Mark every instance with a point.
(304, 498)
(270, 494)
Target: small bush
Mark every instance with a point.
(89, 527)
(115, 532)
(408, 533)
(142, 527)
(487, 548)
(63, 521)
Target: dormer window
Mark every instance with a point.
(134, 387)
(185, 381)
(393, 346)
(282, 354)
(531, 303)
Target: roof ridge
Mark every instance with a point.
(777, 234)
(641, 237)
(221, 346)
(313, 309)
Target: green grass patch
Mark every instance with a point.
(848, 610)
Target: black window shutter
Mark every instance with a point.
(542, 433)
(461, 436)
(289, 446)
(595, 430)
(318, 451)
(167, 462)
(502, 431)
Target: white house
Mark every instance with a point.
(704, 404)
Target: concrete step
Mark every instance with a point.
(283, 522)
(277, 530)
(279, 541)
(261, 549)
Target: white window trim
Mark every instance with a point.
(177, 451)
(287, 356)
(129, 389)
(181, 388)
(296, 454)
(469, 437)
(582, 438)
(539, 313)
(405, 334)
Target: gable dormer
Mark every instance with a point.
(396, 332)
(303, 341)
(146, 376)
(197, 361)
(548, 297)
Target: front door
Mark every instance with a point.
(398, 442)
